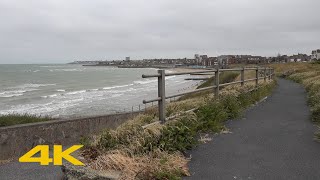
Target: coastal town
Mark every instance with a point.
(203, 61)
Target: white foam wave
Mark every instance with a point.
(53, 95)
(14, 93)
(8, 94)
(60, 90)
(89, 90)
(145, 81)
(113, 87)
(76, 92)
(30, 85)
(65, 70)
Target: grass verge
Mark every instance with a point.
(13, 119)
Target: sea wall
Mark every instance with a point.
(17, 140)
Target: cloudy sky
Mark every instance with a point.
(58, 31)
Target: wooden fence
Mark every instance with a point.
(161, 99)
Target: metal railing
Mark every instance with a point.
(161, 99)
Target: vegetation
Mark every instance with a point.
(13, 119)
(225, 77)
(308, 74)
(156, 151)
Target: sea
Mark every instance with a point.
(75, 91)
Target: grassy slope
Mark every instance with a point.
(13, 119)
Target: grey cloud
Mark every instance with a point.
(60, 31)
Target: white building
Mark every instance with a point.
(315, 55)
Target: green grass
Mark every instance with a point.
(13, 119)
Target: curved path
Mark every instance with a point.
(273, 141)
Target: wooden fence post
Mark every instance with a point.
(265, 74)
(162, 95)
(257, 76)
(216, 92)
(242, 76)
(269, 77)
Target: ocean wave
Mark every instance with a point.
(30, 85)
(8, 94)
(113, 87)
(65, 70)
(51, 66)
(90, 90)
(145, 81)
(61, 90)
(14, 93)
(76, 92)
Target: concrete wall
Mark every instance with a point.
(17, 140)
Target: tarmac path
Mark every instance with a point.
(274, 140)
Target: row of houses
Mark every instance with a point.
(205, 61)
(225, 60)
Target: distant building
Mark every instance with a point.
(127, 58)
(315, 55)
(298, 58)
(197, 59)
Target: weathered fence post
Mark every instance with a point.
(265, 74)
(269, 77)
(257, 76)
(162, 95)
(216, 91)
(242, 76)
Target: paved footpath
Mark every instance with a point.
(274, 140)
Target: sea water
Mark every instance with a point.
(66, 90)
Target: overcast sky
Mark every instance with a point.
(59, 31)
